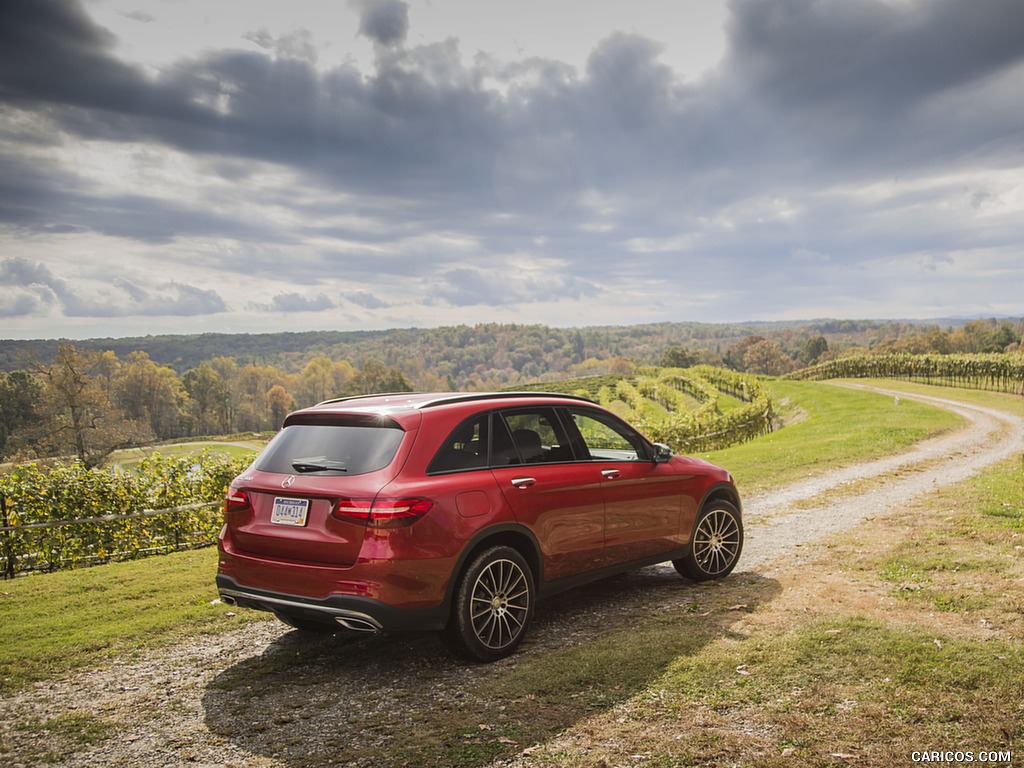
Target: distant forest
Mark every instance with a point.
(466, 356)
(89, 398)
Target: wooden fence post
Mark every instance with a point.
(8, 547)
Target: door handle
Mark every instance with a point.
(611, 474)
(523, 482)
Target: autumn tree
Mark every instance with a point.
(280, 404)
(767, 357)
(735, 355)
(980, 336)
(210, 401)
(322, 379)
(375, 377)
(80, 417)
(151, 393)
(20, 394)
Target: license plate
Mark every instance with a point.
(290, 512)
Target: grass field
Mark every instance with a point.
(53, 623)
(830, 427)
(129, 457)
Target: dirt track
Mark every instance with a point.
(189, 705)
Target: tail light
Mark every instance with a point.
(382, 513)
(236, 500)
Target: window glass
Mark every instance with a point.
(465, 447)
(608, 439)
(321, 449)
(536, 437)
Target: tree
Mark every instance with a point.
(151, 393)
(210, 400)
(678, 357)
(322, 379)
(280, 404)
(80, 416)
(375, 377)
(980, 336)
(813, 348)
(20, 394)
(767, 357)
(735, 355)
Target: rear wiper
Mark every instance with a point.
(318, 464)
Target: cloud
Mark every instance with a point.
(297, 44)
(140, 16)
(829, 134)
(384, 21)
(464, 287)
(40, 290)
(366, 300)
(294, 302)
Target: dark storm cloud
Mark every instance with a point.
(872, 54)
(425, 123)
(383, 21)
(867, 84)
(52, 53)
(614, 166)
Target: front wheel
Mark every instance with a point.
(715, 544)
(493, 606)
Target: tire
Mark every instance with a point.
(715, 544)
(493, 606)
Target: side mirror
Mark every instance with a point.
(662, 453)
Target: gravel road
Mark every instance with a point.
(189, 705)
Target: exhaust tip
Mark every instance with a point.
(356, 624)
(228, 600)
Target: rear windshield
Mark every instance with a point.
(319, 449)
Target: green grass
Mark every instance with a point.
(130, 457)
(53, 623)
(842, 426)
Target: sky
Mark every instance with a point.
(190, 166)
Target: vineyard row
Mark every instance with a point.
(67, 516)
(993, 372)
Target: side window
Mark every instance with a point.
(464, 448)
(533, 436)
(608, 439)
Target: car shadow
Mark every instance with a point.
(401, 700)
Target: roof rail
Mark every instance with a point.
(458, 397)
(363, 397)
(444, 398)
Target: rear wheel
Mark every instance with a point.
(715, 544)
(493, 606)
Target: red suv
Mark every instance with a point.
(457, 512)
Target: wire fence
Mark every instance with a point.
(52, 545)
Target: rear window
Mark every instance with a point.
(320, 449)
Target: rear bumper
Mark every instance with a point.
(361, 614)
